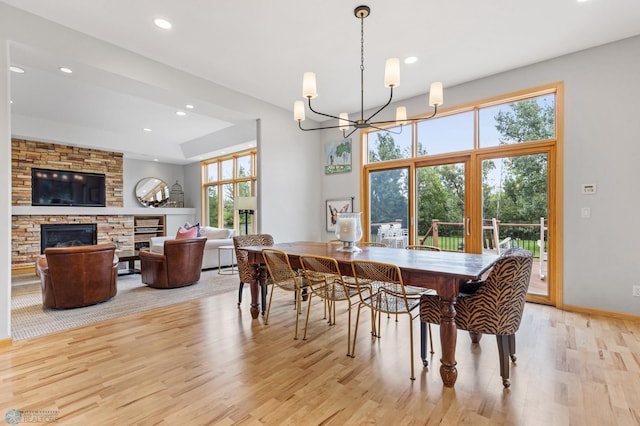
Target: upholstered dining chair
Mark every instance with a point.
(244, 269)
(283, 276)
(179, 265)
(496, 306)
(325, 281)
(380, 287)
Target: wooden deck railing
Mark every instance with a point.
(523, 235)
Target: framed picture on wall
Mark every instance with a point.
(337, 157)
(333, 207)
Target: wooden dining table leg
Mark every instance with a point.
(448, 333)
(255, 290)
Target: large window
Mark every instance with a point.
(475, 179)
(223, 180)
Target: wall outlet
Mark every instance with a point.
(636, 290)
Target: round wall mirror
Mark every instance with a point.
(152, 192)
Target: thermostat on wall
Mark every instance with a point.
(588, 188)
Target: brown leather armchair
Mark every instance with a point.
(179, 265)
(72, 277)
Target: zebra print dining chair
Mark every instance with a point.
(495, 308)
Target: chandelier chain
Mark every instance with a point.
(362, 67)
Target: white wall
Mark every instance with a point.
(5, 193)
(134, 170)
(192, 194)
(339, 185)
(602, 89)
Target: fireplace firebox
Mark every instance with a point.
(67, 235)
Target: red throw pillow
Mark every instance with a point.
(184, 234)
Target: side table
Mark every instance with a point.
(129, 256)
(233, 254)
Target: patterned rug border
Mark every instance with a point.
(30, 319)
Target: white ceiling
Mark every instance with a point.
(262, 49)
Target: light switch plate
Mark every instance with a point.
(588, 188)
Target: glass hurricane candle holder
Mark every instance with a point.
(349, 230)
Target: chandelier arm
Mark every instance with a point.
(413, 120)
(327, 115)
(346, 135)
(372, 125)
(383, 107)
(317, 128)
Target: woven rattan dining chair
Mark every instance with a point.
(325, 281)
(283, 276)
(380, 287)
(495, 308)
(244, 268)
(425, 248)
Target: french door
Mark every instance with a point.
(460, 203)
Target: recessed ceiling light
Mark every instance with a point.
(410, 60)
(66, 70)
(162, 23)
(11, 102)
(155, 159)
(188, 106)
(146, 129)
(16, 69)
(181, 113)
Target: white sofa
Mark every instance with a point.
(216, 237)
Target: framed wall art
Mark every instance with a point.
(333, 207)
(337, 157)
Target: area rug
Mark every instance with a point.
(30, 319)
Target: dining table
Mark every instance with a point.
(442, 271)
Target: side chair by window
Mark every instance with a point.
(496, 306)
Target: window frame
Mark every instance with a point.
(235, 181)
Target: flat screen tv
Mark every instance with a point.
(67, 188)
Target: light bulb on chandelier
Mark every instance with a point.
(391, 80)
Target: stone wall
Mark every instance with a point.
(27, 154)
(25, 229)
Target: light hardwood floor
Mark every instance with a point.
(207, 362)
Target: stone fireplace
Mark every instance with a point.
(67, 235)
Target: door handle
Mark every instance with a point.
(468, 226)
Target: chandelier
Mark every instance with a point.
(391, 80)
